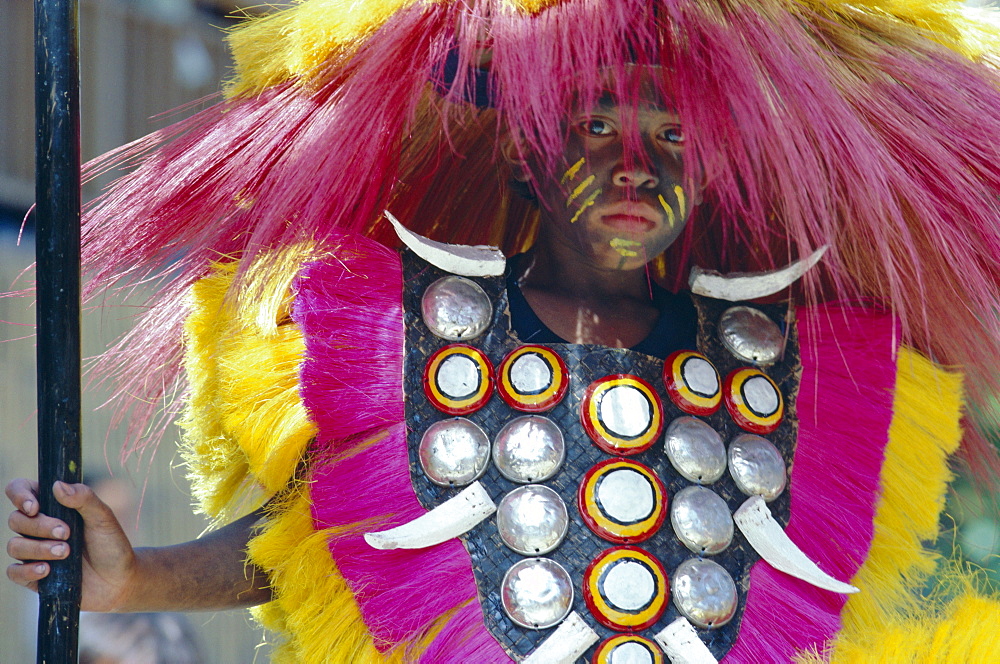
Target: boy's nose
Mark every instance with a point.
(636, 177)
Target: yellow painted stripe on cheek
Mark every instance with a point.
(586, 204)
(580, 188)
(681, 201)
(573, 170)
(671, 219)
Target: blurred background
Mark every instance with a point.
(140, 60)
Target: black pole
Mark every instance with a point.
(57, 253)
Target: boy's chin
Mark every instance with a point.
(622, 260)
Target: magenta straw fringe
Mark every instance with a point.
(349, 308)
(844, 409)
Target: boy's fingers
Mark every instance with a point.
(23, 494)
(24, 549)
(43, 527)
(27, 574)
(83, 499)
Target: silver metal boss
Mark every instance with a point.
(529, 449)
(750, 335)
(456, 308)
(537, 593)
(454, 452)
(701, 520)
(756, 466)
(695, 450)
(704, 593)
(532, 520)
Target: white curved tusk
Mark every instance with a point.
(769, 540)
(461, 259)
(740, 286)
(681, 644)
(565, 645)
(455, 516)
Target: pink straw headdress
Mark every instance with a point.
(871, 127)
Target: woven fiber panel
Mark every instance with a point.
(491, 559)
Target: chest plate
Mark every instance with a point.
(639, 535)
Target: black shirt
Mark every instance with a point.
(675, 329)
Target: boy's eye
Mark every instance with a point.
(672, 135)
(596, 128)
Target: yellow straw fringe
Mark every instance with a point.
(293, 44)
(245, 428)
(313, 606)
(924, 433)
(889, 621)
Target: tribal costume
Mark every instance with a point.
(868, 127)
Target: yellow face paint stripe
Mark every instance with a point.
(621, 245)
(587, 202)
(572, 171)
(671, 219)
(580, 188)
(681, 200)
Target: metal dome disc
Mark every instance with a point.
(751, 336)
(537, 593)
(454, 452)
(695, 450)
(456, 308)
(532, 520)
(529, 449)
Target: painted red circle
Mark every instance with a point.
(555, 392)
(741, 414)
(680, 394)
(610, 531)
(464, 406)
(608, 440)
(626, 621)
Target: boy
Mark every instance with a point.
(779, 122)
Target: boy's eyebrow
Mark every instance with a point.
(608, 101)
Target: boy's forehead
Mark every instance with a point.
(635, 87)
(643, 100)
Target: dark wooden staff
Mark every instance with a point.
(57, 255)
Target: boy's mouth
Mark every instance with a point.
(631, 217)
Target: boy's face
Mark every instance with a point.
(619, 203)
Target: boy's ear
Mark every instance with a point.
(699, 190)
(700, 182)
(515, 158)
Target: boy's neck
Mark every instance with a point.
(583, 304)
(558, 269)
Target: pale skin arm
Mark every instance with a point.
(209, 573)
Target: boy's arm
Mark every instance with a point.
(210, 573)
